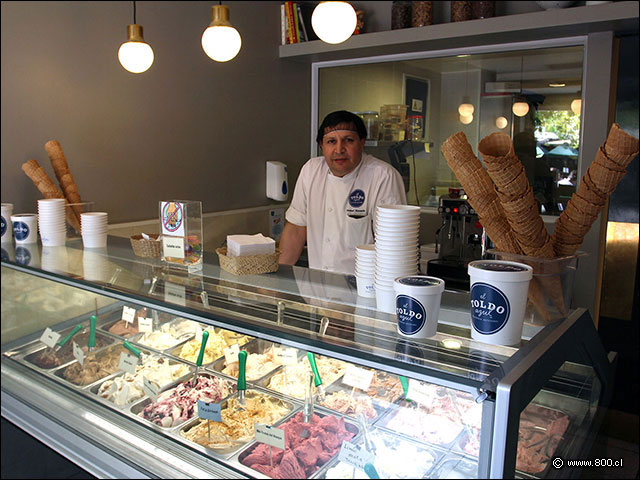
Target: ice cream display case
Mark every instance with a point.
(111, 372)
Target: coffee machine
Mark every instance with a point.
(458, 240)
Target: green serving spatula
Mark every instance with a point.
(242, 378)
(203, 345)
(316, 376)
(92, 332)
(63, 342)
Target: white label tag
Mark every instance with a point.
(269, 435)
(128, 314)
(419, 392)
(78, 353)
(128, 363)
(175, 294)
(173, 247)
(150, 388)
(358, 377)
(198, 337)
(231, 353)
(209, 411)
(145, 324)
(285, 356)
(352, 455)
(49, 337)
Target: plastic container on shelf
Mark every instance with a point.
(400, 15)
(416, 129)
(461, 11)
(372, 122)
(422, 14)
(393, 122)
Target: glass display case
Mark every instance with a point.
(437, 408)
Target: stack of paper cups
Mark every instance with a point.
(365, 270)
(94, 227)
(397, 231)
(7, 211)
(51, 222)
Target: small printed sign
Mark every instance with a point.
(286, 356)
(358, 377)
(78, 353)
(50, 338)
(175, 294)
(145, 324)
(128, 363)
(269, 435)
(420, 392)
(172, 218)
(355, 456)
(128, 314)
(151, 389)
(231, 353)
(209, 411)
(173, 247)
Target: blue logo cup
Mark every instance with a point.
(490, 309)
(20, 231)
(411, 315)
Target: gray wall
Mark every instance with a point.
(188, 128)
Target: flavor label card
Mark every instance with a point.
(173, 247)
(175, 294)
(151, 389)
(128, 363)
(50, 338)
(78, 353)
(209, 411)
(420, 392)
(231, 353)
(358, 377)
(286, 356)
(128, 314)
(354, 456)
(145, 324)
(270, 435)
(198, 337)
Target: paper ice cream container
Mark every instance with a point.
(418, 305)
(498, 300)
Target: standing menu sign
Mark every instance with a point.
(181, 228)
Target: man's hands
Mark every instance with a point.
(291, 243)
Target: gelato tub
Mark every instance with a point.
(47, 358)
(97, 365)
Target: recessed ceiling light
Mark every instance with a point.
(556, 85)
(462, 56)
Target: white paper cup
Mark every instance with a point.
(5, 222)
(25, 227)
(498, 300)
(94, 241)
(385, 298)
(418, 305)
(366, 287)
(53, 238)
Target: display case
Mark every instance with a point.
(436, 408)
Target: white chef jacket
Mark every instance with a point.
(339, 211)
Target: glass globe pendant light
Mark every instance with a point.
(466, 119)
(135, 55)
(465, 109)
(521, 107)
(501, 122)
(334, 22)
(220, 41)
(576, 106)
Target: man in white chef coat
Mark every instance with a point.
(335, 198)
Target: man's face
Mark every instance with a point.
(342, 149)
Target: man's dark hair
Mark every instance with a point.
(342, 116)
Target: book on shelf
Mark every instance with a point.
(283, 25)
(291, 22)
(302, 28)
(294, 18)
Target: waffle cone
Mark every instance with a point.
(516, 186)
(603, 159)
(620, 147)
(565, 231)
(501, 235)
(582, 211)
(603, 178)
(536, 297)
(41, 180)
(457, 151)
(590, 193)
(514, 206)
(63, 174)
(497, 151)
(551, 284)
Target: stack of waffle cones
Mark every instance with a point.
(597, 184)
(47, 188)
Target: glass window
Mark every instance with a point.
(412, 106)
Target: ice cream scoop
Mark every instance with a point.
(92, 332)
(370, 470)
(308, 405)
(203, 345)
(316, 376)
(62, 342)
(242, 378)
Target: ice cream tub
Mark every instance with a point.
(167, 335)
(255, 461)
(498, 300)
(122, 389)
(237, 427)
(219, 339)
(418, 305)
(177, 403)
(396, 457)
(455, 466)
(261, 362)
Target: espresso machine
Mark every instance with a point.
(458, 240)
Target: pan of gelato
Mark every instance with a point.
(290, 379)
(97, 365)
(261, 361)
(237, 426)
(48, 358)
(219, 339)
(168, 335)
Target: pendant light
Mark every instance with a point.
(501, 122)
(576, 106)
(521, 107)
(135, 55)
(466, 119)
(220, 41)
(465, 109)
(334, 22)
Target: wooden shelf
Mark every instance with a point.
(557, 23)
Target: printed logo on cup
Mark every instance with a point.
(356, 199)
(3, 226)
(489, 308)
(20, 230)
(411, 314)
(23, 256)
(418, 281)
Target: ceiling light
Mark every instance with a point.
(220, 41)
(466, 119)
(576, 106)
(501, 122)
(557, 85)
(135, 55)
(465, 109)
(334, 22)
(521, 107)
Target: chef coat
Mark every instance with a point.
(339, 211)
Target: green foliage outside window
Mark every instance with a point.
(565, 124)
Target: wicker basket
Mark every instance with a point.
(151, 248)
(248, 264)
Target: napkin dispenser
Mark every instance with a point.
(277, 183)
